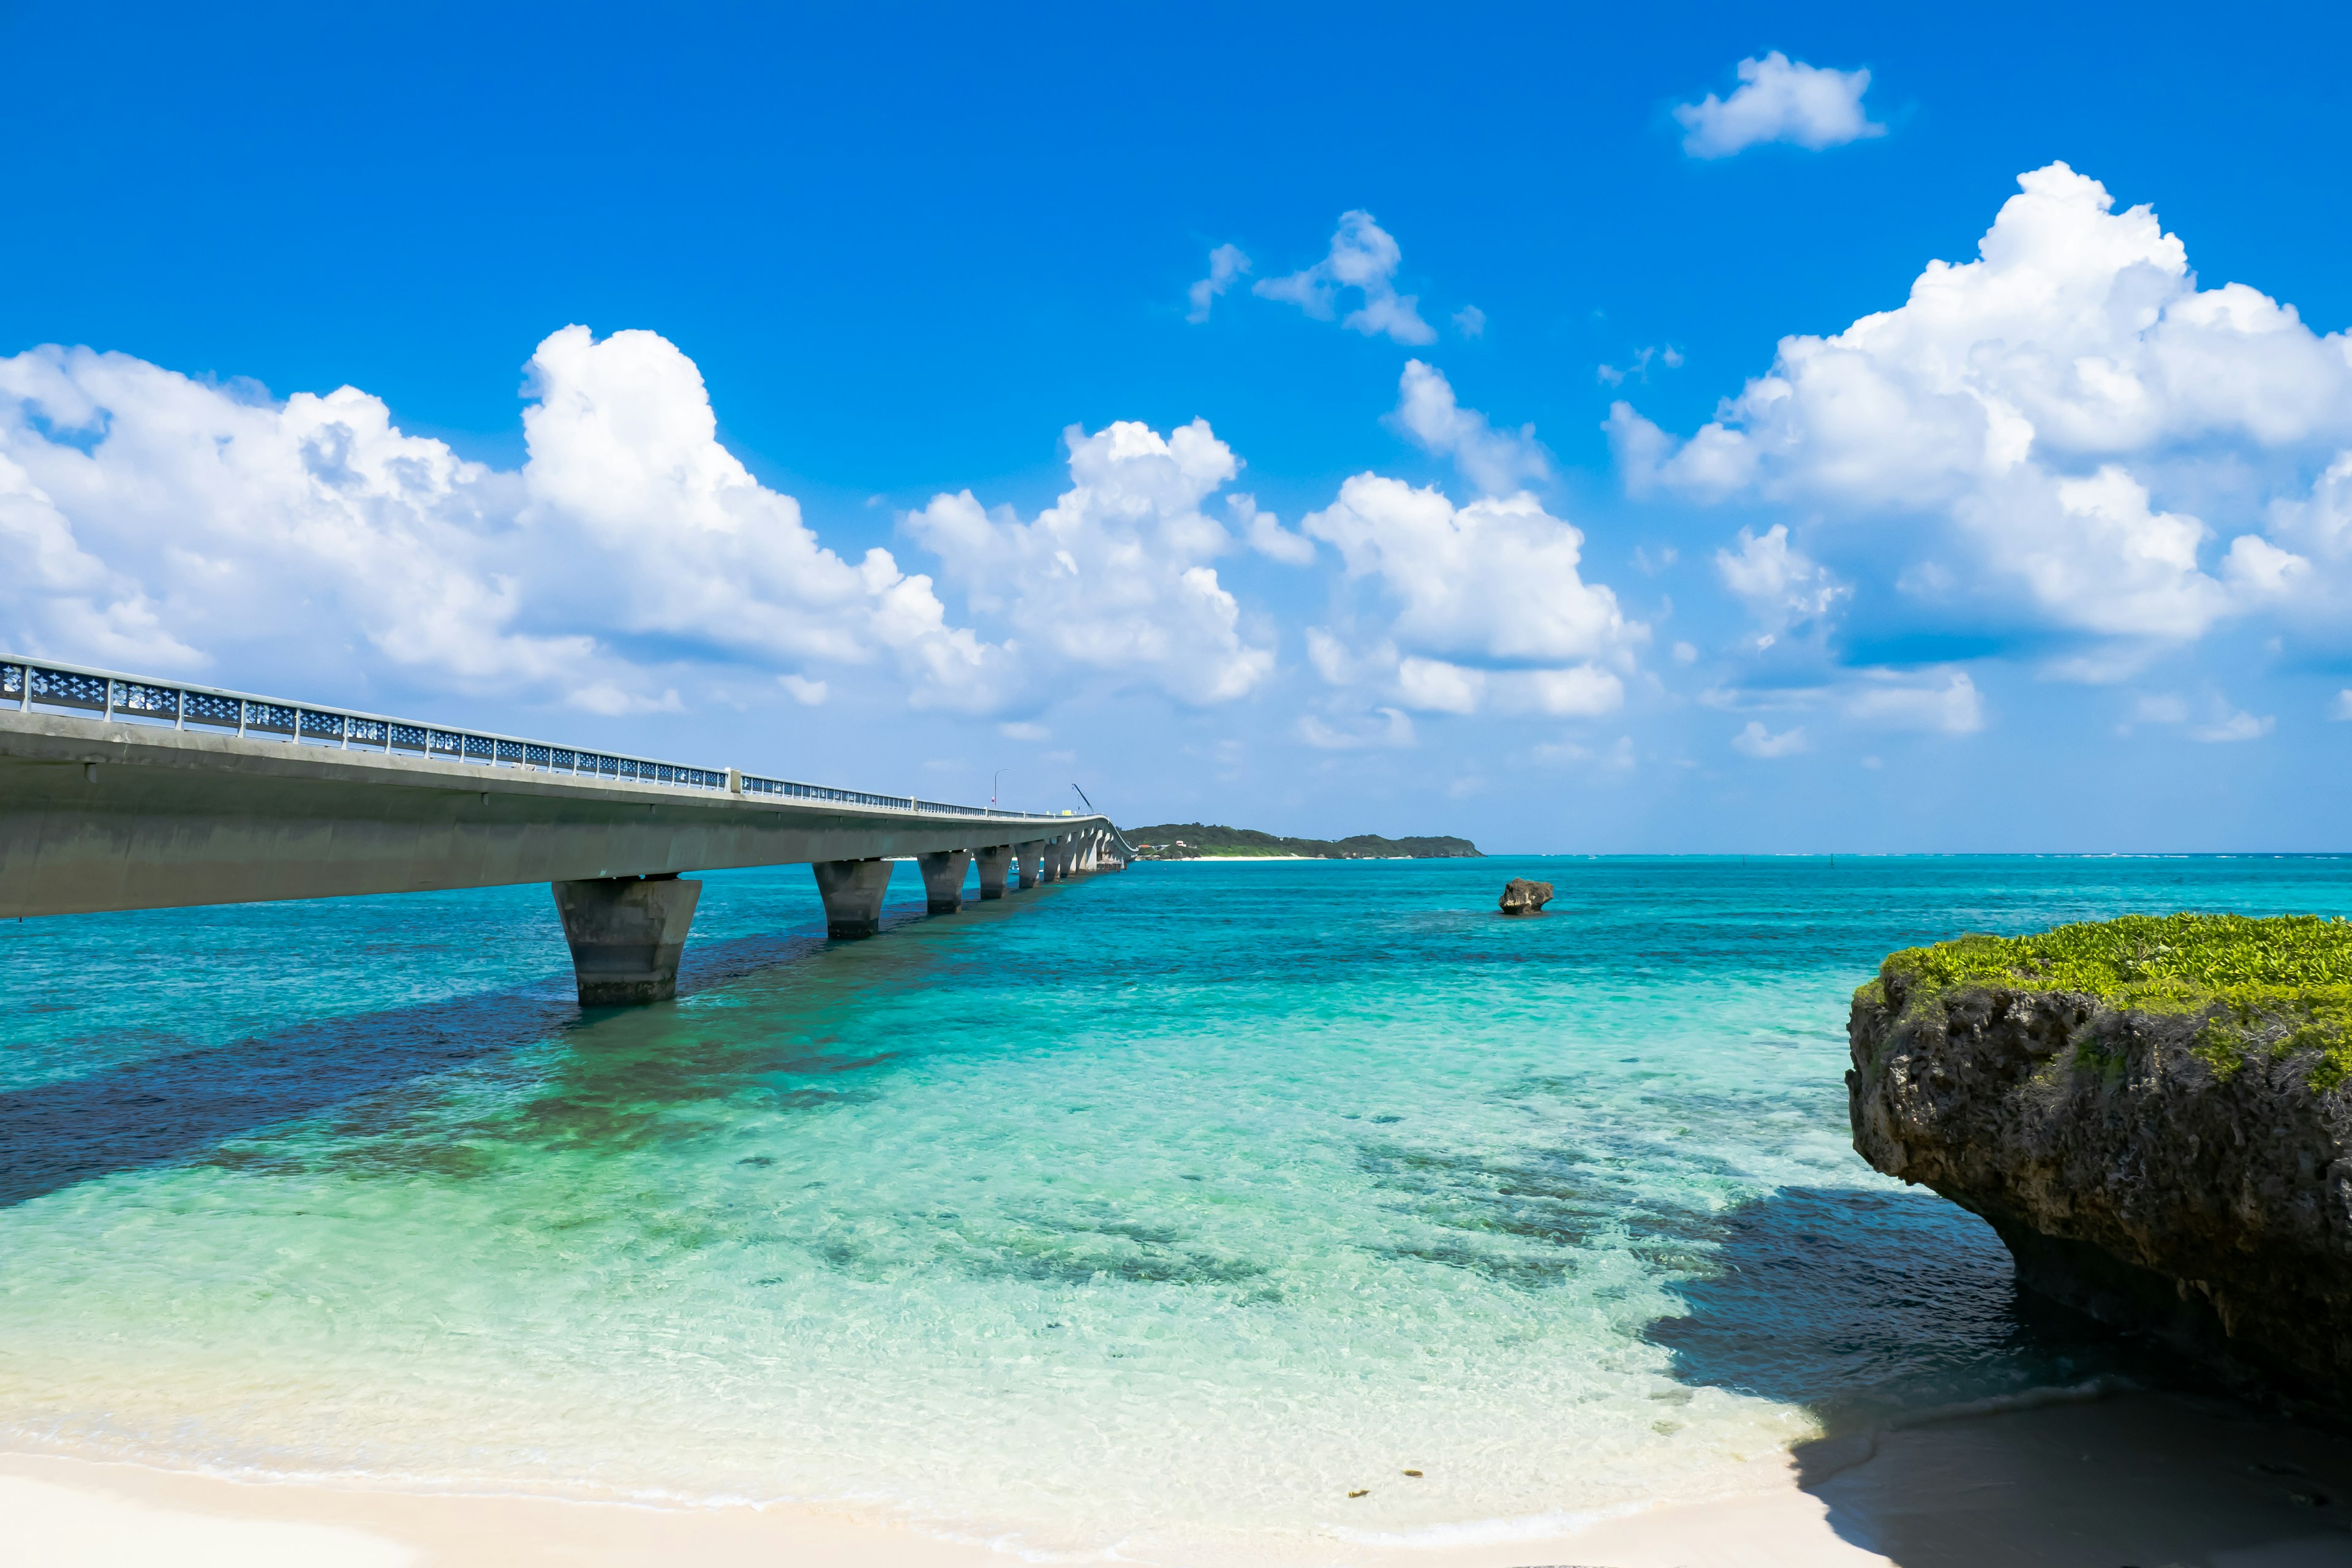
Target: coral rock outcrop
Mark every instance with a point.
(1521, 897)
(2136, 1171)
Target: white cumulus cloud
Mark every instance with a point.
(1778, 100)
(1265, 534)
(651, 527)
(1483, 600)
(1949, 706)
(1756, 740)
(1496, 461)
(2235, 726)
(1364, 257)
(2022, 415)
(1782, 585)
(1114, 575)
(1433, 685)
(165, 523)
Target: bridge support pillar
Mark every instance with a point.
(993, 864)
(1030, 855)
(625, 934)
(853, 893)
(1049, 861)
(943, 875)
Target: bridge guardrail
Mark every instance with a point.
(23, 683)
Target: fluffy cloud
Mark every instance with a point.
(1265, 534)
(2222, 723)
(2012, 426)
(1226, 263)
(2235, 726)
(1781, 587)
(1496, 461)
(157, 521)
(161, 523)
(2318, 523)
(1364, 257)
(1951, 706)
(171, 524)
(648, 526)
(1488, 603)
(1114, 575)
(1756, 740)
(1778, 100)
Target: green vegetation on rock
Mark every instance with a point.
(1208, 841)
(2276, 986)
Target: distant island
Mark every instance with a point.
(1208, 841)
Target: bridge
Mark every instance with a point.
(117, 793)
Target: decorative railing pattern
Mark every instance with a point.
(788, 789)
(25, 685)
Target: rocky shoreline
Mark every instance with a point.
(2164, 1153)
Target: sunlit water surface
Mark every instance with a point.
(1155, 1212)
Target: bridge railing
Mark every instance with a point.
(25, 685)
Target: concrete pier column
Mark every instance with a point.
(1089, 852)
(852, 893)
(1030, 855)
(943, 875)
(994, 862)
(1049, 861)
(625, 934)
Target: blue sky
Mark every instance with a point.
(2051, 558)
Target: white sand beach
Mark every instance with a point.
(2135, 1478)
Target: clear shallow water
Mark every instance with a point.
(1152, 1212)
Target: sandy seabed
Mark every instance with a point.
(2133, 1481)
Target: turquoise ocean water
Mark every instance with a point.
(1148, 1215)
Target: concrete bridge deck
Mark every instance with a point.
(120, 802)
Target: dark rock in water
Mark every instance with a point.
(2169, 1162)
(1521, 897)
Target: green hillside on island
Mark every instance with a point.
(1208, 841)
